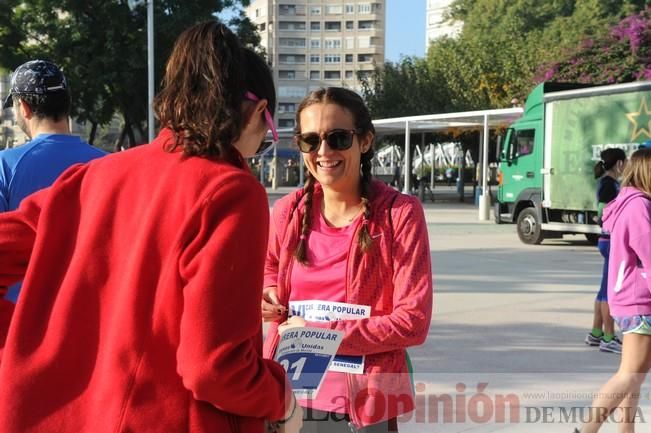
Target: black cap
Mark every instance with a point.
(36, 77)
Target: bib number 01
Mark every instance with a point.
(297, 367)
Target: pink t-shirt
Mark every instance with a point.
(325, 280)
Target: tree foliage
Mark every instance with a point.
(497, 55)
(622, 55)
(409, 86)
(102, 47)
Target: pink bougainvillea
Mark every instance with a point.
(623, 55)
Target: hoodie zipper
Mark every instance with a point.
(354, 421)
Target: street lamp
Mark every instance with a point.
(150, 62)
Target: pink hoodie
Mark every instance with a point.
(628, 219)
(394, 278)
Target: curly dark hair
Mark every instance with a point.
(352, 102)
(203, 90)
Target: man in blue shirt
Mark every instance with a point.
(41, 100)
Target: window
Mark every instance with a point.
(262, 27)
(315, 10)
(292, 42)
(291, 92)
(332, 43)
(522, 142)
(350, 43)
(257, 13)
(366, 25)
(287, 75)
(364, 58)
(291, 25)
(315, 58)
(315, 43)
(350, 25)
(286, 9)
(291, 58)
(286, 107)
(364, 8)
(364, 75)
(349, 8)
(363, 42)
(332, 58)
(349, 58)
(332, 75)
(315, 75)
(332, 26)
(349, 75)
(333, 10)
(286, 123)
(315, 26)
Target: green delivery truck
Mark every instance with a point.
(546, 179)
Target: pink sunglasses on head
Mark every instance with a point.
(267, 115)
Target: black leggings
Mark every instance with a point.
(317, 421)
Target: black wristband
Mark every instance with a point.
(283, 421)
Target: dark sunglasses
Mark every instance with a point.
(337, 139)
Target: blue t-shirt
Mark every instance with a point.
(36, 165)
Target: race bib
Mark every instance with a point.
(306, 354)
(325, 311)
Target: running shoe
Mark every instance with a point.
(613, 346)
(591, 340)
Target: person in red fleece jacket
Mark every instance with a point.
(143, 271)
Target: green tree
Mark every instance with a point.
(495, 58)
(101, 45)
(503, 43)
(405, 88)
(623, 55)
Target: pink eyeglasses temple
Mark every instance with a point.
(267, 115)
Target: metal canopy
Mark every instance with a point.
(438, 122)
(483, 120)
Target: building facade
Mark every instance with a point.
(318, 43)
(436, 25)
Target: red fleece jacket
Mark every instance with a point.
(140, 309)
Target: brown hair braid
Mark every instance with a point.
(300, 253)
(364, 239)
(352, 102)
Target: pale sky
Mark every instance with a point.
(405, 28)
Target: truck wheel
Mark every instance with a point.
(528, 226)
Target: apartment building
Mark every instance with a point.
(436, 24)
(316, 43)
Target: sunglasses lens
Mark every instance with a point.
(340, 140)
(308, 142)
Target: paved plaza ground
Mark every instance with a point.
(514, 317)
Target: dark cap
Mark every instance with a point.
(36, 77)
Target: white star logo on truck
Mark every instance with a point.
(641, 121)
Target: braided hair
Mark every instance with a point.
(352, 102)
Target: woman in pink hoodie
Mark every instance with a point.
(628, 220)
(349, 239)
